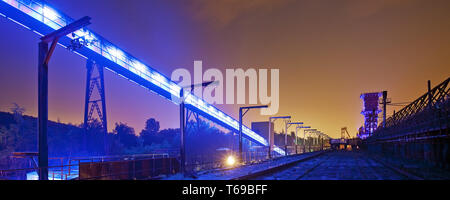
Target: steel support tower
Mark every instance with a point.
(370, 112)
(95, 99)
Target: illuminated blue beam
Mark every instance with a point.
(41, 18)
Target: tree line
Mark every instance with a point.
(18, 133)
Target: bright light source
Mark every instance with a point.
(158, 77)
(50, 13)
(115, 52)
(139, 66)
(230, 160)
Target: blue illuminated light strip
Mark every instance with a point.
(51, 18)
(278, 150)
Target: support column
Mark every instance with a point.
(240, 135)
(430, 96)
(43, 59)
(270, 139)
(43, 111)
(285, 139)
(296, 141)
(86, 103)
(304, 141)
(384, 108)
(182, 135)
(103, 100)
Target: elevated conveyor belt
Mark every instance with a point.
(41, 18)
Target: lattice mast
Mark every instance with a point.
(370, 111)
(95, 99)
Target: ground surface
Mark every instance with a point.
(326, 165)
(338, 165)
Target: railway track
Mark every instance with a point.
(337, 165)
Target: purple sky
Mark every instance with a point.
(328, 52)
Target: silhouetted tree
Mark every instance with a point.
(149, 133)
(151, 125)
(125, 135)
(94, 137)
(18, 113)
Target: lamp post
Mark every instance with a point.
(324, 136)
(270, 131)
(296, 138)
(304, 136)
(242, 112)
(183, 122)
(285, 136)
(319, 140)
(318, 134)
(316, 139)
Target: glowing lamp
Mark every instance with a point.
(230, 160)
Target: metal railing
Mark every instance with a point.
(209, 162)
(68, 168)
(430, 113)
(427, 124)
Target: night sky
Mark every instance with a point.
(328, 53)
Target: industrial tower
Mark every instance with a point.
(370, 112)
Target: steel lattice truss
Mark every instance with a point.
(426, 117)
(93, 103)
(438, 96)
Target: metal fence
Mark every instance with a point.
(140, 166)
(209, 162)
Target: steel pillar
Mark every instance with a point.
(182, 135)
(285, 139)
(384, 108)
(296, 140)
(45, 53)
(269, 138)
(241, 114)
(43, 111)
(240, 135)
(304, 141)
(321, 142)
(430, 95)
(183, 121)
(309, 146)
(92, 101)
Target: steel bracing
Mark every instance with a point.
(95, 101)
(426, 117)
(41, 18)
